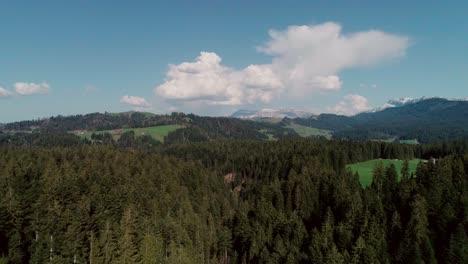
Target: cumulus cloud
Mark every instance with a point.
(305, 59)
(134, 101)
(351, 104)
(207, 80)
(24, 88)
(4, 92)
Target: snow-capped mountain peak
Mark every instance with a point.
(400, 101)
(271, 113)
(407, 100)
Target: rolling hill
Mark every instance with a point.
(424, 120)
(183, 127)
(156, 132)
(405, 120)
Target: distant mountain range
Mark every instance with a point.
(428, 119)
(425, 120)
(295, 113)
(271, 113)
(405, 101)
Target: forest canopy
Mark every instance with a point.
(289, 201)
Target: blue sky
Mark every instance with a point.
(71, 57)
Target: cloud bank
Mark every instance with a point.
(24, 88)
(305, 60)
(4, 92)
(351, 104)
(134, 101)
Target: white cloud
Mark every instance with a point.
(4, 92)
(207, 80)
(23, 88)
(304, 54)
(351, 104)
(135, 101)
(305, 59)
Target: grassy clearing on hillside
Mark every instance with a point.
(157, 132)
(366, 169)
(402, 141)
(304, 131)
(409, 141)
(270, 136)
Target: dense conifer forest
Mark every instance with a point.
(286, 201)
(233, 132)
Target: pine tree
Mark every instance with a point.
(405, 172)
(152, 249)
(416, 246)
(333, 256)
(357, 252)
(391, 177)
(458, 250)
(57, 260)
(15, 252)
(40, 251)
(224, 244)
(128, 244)
(95, 256)
(378, 179)
(108, 244)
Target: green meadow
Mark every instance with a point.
(156, 132)
(366, 169)
(304, 131)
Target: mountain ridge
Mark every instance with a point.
(425, 120)
(428, 120)
(398, 102)
(300, 113)
(271, 113)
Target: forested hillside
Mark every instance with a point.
(287, 201)
(423, 121)
(427, 120)
(193, 128)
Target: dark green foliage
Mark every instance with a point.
(430, 120)
(53, 139)
(289, 201)
(458, 247)
(196, 128)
